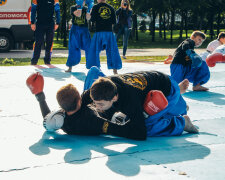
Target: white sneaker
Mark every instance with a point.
(124, 57)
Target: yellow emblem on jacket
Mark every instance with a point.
(80, 20)
(105, 12)
(187, 58)
(105, 127)
(135, 80)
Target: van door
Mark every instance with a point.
(14, 23)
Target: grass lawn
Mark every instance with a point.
(145, 41)
(26, 61)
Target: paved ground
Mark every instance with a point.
(28, 152)
(64, 53)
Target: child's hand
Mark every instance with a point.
(88, 16)
(33, 27)
(56, 27)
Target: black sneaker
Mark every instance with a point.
(32, 63)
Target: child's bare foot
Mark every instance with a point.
(115, 71)
(187, 108)
(189, 127)
(198, 87)
(168, 60)
(183, 86)
(69, 69)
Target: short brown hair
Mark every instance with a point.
(103, 89)
(68, 97)
(199, 33)
(221, 35)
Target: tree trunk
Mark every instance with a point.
(135, 26)
(160, 24)
(150, 23)
(206, 29)
(218, 22)
(195, 25)
(61, 31)
(172, 25)
(208, 23)
(57, 35)
(181, 25)
(200, 22)
(185, 24)
(168, 20)
(64, 30)
(164, 25)
(153, 25)
(211, 26)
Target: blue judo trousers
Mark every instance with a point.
(99, 42)
(199, 75)
(168, 122)
(79, 38)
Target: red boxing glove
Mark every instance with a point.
(212, 59)
(155, 102)
(35, 83)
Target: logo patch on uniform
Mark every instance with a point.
(80, 20)
(187, 58)
(2, 2)
(135, 80)
(105, 12)
(105, 127)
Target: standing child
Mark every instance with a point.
(103, 15)
(187, 64)
(213, 45)
(216, 43)
(43, 23)
(79, 37)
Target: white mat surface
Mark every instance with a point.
(28, 152)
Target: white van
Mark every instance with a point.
(14, 23)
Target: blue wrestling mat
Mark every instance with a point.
(29, 152)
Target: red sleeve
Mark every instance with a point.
(56, 1)
(34, 2)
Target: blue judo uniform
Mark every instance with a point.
(79, 38)
(103, 15)
(168, 122)
(184, 65)
(104, 41)
(199, 75)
